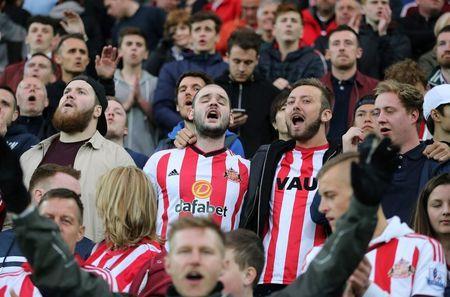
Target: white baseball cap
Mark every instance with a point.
(435, 97)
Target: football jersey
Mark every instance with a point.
(190, 182)
(291, 232)
(18, 280)
(122, 264)
(403, 263)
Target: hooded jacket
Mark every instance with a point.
(164, 110)
(255, 96)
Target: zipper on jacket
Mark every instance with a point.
(259, 192)
(240, 97)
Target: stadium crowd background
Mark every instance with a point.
(249, 112)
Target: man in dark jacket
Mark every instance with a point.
(287, 60)
(205, 28)
(419, 25)
(382, 43)
(250, 94)
(344, 80)
(282, 173)
(16, 136)
(129, 13)
(32, 100)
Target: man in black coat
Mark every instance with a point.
(251, 94)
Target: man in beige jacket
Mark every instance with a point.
(80, 117)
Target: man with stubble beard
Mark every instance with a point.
(283, 184)
(205, 178)
(80, 117)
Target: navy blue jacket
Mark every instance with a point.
(408, 181)
(303, 63)
(138, 158)
(19, 140)
(164, 109)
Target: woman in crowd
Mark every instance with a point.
(126, 203)
(177, 38)
(432, 216)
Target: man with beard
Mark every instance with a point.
(81, 119)
(344, 79)
(72, 56)
(283, 184)
(204, 179)
(441, 75)
(187, 86)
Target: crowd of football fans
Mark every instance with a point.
(225, 147)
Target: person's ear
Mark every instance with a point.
(326, 115)
(327, 54)
(249, 276)
(81, 232)
(97, 111)
(191, 115)
(15, 115)
(435, 115)
(359, 52)
(231, 119)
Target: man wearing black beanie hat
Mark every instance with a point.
(80, 117)
(364, 123)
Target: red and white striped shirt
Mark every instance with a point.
(123, 264)
(18, 280)
(403, 263)
(291, 232)
(190, 182)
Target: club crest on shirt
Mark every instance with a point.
(401, 269)
(436, 277)
(232, 175)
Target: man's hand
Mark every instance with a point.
(239, 119)
(351, 139)
(72, 23)
(373, 174)
(106, 64)
(359, 281)
(184, 138)
(385, 20)
(438, 151)
(14, 193)
(281, 83)
(355, 22)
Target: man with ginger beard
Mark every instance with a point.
(81, 119)
(441, 75)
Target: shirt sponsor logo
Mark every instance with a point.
(202, 189)
(401, 269)
(195, 207)
(436, 277)
(298, 183)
